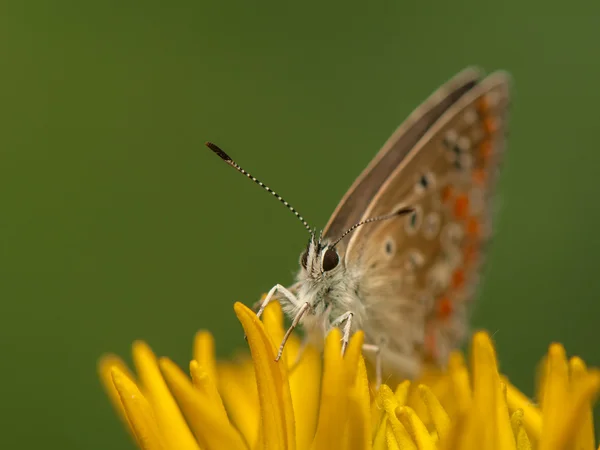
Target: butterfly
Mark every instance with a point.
(401, 256)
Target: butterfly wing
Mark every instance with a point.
(417, 273)
(356, 200)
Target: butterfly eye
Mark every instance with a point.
(330, 260)
(304, 258)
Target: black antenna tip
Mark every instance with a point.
(224, 156)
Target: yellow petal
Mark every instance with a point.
(584, 392)
(275, 403)
(202, 381)
(204, 353)
(555, 399)
(105, 366)
(272, 319)
(457, 432)
(473, 432)
(416, 428)
(138, 411)
(237, 386)
(358, 435)
(205, 415)
(392, 443)
(584, 435)
(504, 435)
(334, 403)
(459, 376)
(285, 407)
(516, 421)
(484, 398)
(440, 418)
(171, 423)
(390, 405)
(339, 375)
(380, 439)
(439, 383)
(532, 416)
(401, 392)
(521, 438)
(377, 414)
(489, 399)
(305, 387)
(273, 322)
(353, 354)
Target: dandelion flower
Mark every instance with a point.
(329, 403)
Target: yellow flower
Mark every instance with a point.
(256, 403)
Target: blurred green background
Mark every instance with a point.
(118, 224)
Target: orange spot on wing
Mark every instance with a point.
(473, 227)
(483, 105)
(479, 176)
(461, 206)
(470, 254)
(458, 278)
(429, 344)
(447, 193)
(490, 125)
(444, 308)
(486, 150)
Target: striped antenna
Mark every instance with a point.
(400, 212)
(225, 157)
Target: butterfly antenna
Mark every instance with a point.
(225, 157)
(400, 212)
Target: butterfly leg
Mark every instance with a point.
(346, 317)
(377, 350)
(277, 288)
(346, 335)
(289, 296)
(303, 309)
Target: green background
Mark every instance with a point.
(117, 224)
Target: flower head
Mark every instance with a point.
(329, 403)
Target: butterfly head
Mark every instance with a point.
(319, 260)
